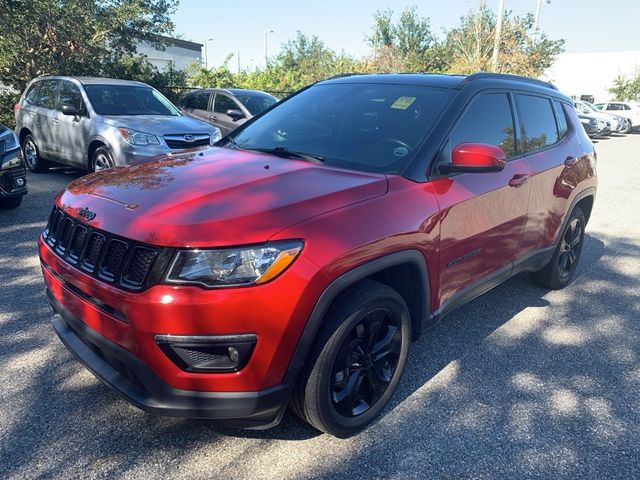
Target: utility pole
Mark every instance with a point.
(266, 57)
(238, 62)
(206, 57)
(537, 17)
(496, 43)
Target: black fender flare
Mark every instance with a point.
(587, 192)
(344, 281)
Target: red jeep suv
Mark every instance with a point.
(295, 262)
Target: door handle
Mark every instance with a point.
(569, 161)
(518, 180)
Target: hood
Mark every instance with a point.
(159, 125)
(218, 197)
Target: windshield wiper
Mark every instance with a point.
(284, 152)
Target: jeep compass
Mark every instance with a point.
(293, 263)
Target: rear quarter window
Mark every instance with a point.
(537, 122)
(561, 118)
(31, 97)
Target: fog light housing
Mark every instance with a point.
(208, 353)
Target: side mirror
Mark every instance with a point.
(475, 158)
(69, 110)
(235, 114)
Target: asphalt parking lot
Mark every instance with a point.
(522, 382)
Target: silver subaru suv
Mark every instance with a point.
(99, 123)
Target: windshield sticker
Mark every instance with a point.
(403, 103)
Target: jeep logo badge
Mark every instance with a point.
(189, 138)
(88, 214)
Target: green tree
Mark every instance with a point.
(468, 47)
(404, 46)
(626, 88)
(76, 37)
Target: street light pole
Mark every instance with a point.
(496, 42)
(537, 17)
(266, 58)
(206, 58)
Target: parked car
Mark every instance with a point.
(590, 124)
(617, 123)
(13, 175)
(629, 110)
(99, 123)
(227, 109)
(297, 262)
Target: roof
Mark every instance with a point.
(233, 91)
(438, 80)
(178, 42)
(93, 80)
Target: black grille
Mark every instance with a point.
(122, 262)
(113, 259)
(139, 266)
(174, 143)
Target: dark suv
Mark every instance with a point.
(295, 263)
(13, 174)
(224, 108)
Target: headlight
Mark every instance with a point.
(8, 141)
(215, 136)
(138, 138)
(233, 266)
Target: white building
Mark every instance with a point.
(178, 52)
(593, 73)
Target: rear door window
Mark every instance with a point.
(487, 120)
(201, 100)
(48, 94)
(538, 123)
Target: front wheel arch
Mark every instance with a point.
(372, 269)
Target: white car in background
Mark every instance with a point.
(617, 124)
(629, 110)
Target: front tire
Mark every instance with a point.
(32, 157)
(628, 128)
(102, 159)
(560, 270)
(356, 362)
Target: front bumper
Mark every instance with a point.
(139, 385)
(13, 175)
(126, 154)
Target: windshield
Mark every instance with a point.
(256, 103)
(370, 127)
(129, 100)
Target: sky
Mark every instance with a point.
(239, 26)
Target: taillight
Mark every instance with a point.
(16, 108)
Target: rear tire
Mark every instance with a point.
(356, 362)
(10, 203)
(102, 159)
(32, 157)
(628, 128)
(559, 271)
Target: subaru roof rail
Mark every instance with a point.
(506, 76)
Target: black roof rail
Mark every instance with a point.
(506, 76)
(342, 75)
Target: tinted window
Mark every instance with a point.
(538, 122)
(201, 100)
(70, 95)
(129, 100)
(625, 107)
(371, 127)
(561, 118)
(224, 103)
(487, 120)
(256, 103)
(614, 106)
(31, 98)
(48, 93)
